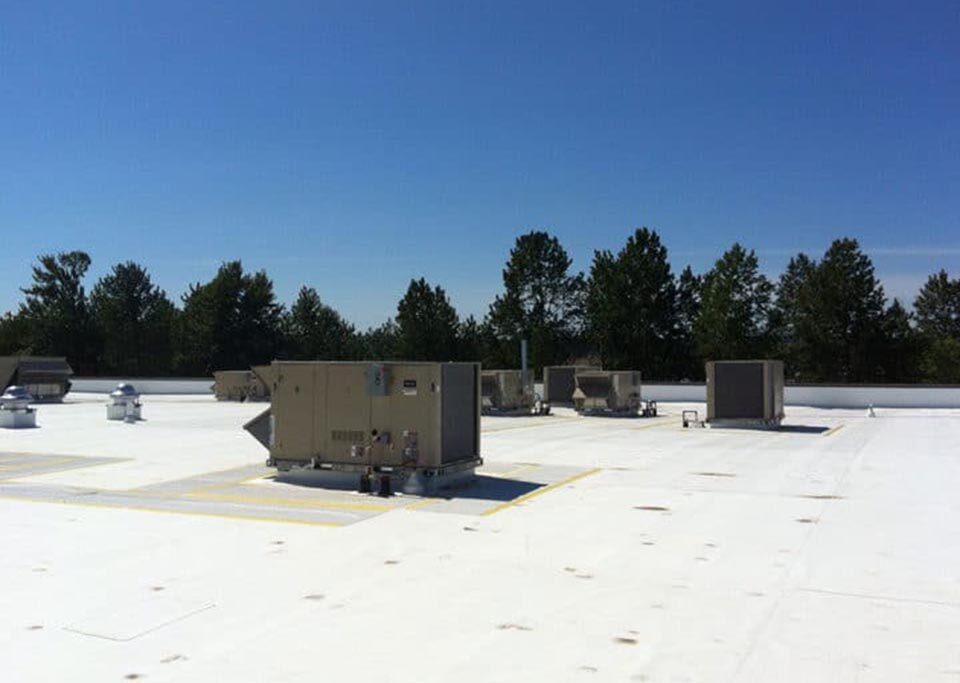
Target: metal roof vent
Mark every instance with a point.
(124, 403)
(15, 410)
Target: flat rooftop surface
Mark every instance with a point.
(589, 549)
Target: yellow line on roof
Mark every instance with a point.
(422, 503)
(289, 502)
(833, 430)
(515, 471)
(539, 492)
(200, 513)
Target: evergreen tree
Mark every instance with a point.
(230, 323)
(841, 319)
(135, 322)
(428, 324)
(937, 309)
(541, 302)
(14, 334)
(937, 306)
(687, 365)
(734, 309)
(56, 310)
(631, 306)
(381, 343)
(901, 357)
(316, 331)
(470, 341)
(792, 299)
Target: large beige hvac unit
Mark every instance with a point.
(412, 426)
(45, 378)
(504, 392)
(607, 392)
(241, 385)
(745, 393)
(559, 384)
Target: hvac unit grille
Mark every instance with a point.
(348, 435)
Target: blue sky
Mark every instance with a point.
(353, 145)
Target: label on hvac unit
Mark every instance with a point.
(409, 387)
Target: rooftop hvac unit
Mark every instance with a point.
(242, 385)
(745, 393)
(503, 392)
(413, 426)
(559, 384)
(15, 410)
(45, 378)
(607, 392)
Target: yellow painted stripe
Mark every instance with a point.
(289, 502)
(199, 513)
(543, 422)
(422, 503)
(539, 492)
(833, 430)
(514, 472)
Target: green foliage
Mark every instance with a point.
(937, 310)
(840, 321)
(382, 343)
(793, 293)
(940, 362)
(316, 331)
(134, 320)
(428, 325)
(56, 310)
(631, 306)
(937, 307)
(541, 302)
(14, 334)
(734, 309)
(828, 320)
(901, 347)
(686, 363)
(231, 322)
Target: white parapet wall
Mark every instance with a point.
(164, 385)
(829, 395)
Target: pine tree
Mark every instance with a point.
(631, 306)
(541, 302)
(734, 309)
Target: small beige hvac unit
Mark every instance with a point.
(45, 378)
(559, 383)
(242, 385)
(504, 392)
(745, 393)
(414, 427)
(607, 392)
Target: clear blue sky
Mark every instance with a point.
(354, 145)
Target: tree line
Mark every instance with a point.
(828, 319)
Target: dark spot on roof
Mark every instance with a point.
(807, 520)
(513, 627)
(714, 474)
(624, 640)
(651, 508)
